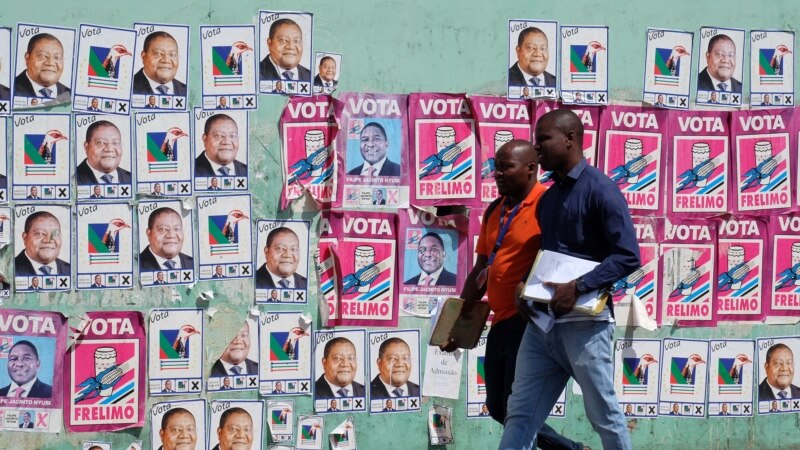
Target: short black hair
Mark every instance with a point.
(231, 411)
(376, 125)
(435, 236)
(526, 32)
(778, 346)
(28, 344)
(325, 58)
(39, 215)
(277, 231)
(216, 118)
(172, 412)
(279, 23)
(720, 37)
(100, 123)
(160, 211)
(42, 37)
(334, 341)
(148, 41)
(388, 342)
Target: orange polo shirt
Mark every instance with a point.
(516, 254)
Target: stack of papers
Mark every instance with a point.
(559, 268)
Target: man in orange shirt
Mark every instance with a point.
(507, 245)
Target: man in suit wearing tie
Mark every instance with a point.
(333, 406)
(235, 431)
(373, 146)
(223, 103)
(388, 406)
(720, 66)
(165, 236)
(533, 55)
(157, 190)
(94, 106)
(26, 420)
(484, 411)
(340, 366)
(394, 369)
(98, 281)
(23, 369)
(278, 388)
(221, 143)
(168, 387)
(430, 256)
(96, 192)
(35, 284)
(160, 62)
(214, 184)
(33, 193)
(218, 272)
(151, 103)
(42, 238)
(234, 359)
(379, 200)
(724, 411)
(160, 278)
(282, 256)
(326, 78)
(659, 101)
(285, 43)
(226, 384)
(779, 367)
(103, 147)
(44, 64)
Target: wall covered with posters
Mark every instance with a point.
(386, 48)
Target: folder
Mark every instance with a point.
(460, 321)
(560, 268)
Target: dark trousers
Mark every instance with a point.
(500, 361)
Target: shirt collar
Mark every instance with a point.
(228, 366)
(533, 194)
(29, 385)
(774, 391)
(435, 276)
(378, 166)
(528, 76)
(155, 84)
(390, 388)
(280, 70)
(38, 87)
(277, 278)
(38, 265)
(335, 388)
(161, 261)
(574, 173)
(215, 166)
(716, 82)
(98, 174)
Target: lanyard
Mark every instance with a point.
(505, 224)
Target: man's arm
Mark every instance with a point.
(471, 291)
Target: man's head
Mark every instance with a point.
(42, 237)
(394, 362)
(559, 140)
(285, 43)
(103, 146)
(95, 103)
(26, 417)
(766, 99)
(35, 282)
(379, 194)
(278, 386)
(282, 252)
(675, 407)
(724, 407)
(239, 347)
(774, 405)
(515, 168)
(713, 96)
(96, 190)
(98, 279)
(44, 59)
(221, 139)
(218, 271)
(660, 99)
(279, 86)
(165, 232)
(721, 57)
(168, 385)
(339, 361)
(629, 409)
(223, 102)
(431, 253)
(214, 182)
(95, 447)
(327, 69)
(151, 101)
(23, 362)
(526, 92)
(157, 188)
(274, 294)
(389, 404)
(779, 366)
(373, 142)
(532, 51)
(485, 408)
(34, 191)
(160, 276)
(160, 57)
(235, 431)
(178, 430)
(333, 404)
(226, 382)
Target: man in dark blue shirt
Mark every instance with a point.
(583, 215)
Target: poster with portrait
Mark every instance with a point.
(43, 66)
(175, 351)
(5, 71)
(636, 380)
(699, 163)
(106, 375)
(762, 158)
(584, 65)
(633, 155)
(285, 52)
(339, 371)
(228, 67)
(394, 371)
(771, 68)
(498, 121)
(444, 151)
(329, 69)
(638, 290)
(104, 70)
(43, 248)
(105, 246)
(590, 118)
(343, 435)
(166, 243)
(372, 167)
(532, 73)
(730, 379)
(310, 435)
(476, 381)
(777, 391)
(3, 160)
(96, 445)
(324, 260)
(31, 370)
(160, 67)
(236, 424)
(103, 159)
(684, 375)
(221, 150)
(41, 159)
(366, 261)
(440, 425)
(308, 137)
(182, 421)
(743, 261)
(280, 420)
(225, 232)
(285, 346)
(784, 288)
(668, 68)
(282, 258)
(163, 154)
(237, 366)
(721, 66)
(5, 225)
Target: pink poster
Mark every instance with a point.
(106, 377)
(499, 121)
(325, 265)
(590, 117)
(366, 254)
(761, 152)
(308, 133)
(632, 149)
(785, 286)
(688, 272)
(444, 152)
(373, 152)
(698, 163)
(643, 282)
(742, 260)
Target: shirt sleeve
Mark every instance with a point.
(482, 247)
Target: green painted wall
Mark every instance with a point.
(407, 46)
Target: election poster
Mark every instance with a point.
(236, 424)
(638, 290)
(730, 379)
(476, 381)
(308, 136)
(5, 226)
(721, 66)
(590, 118)
(237, 366)
(43, 248)
(225, 232)
(185, 419)
(105, 155)
(329, 69)
(327, 274)
(344, 435)
(584, 65)
(105, 246)
(395, 373)
(106, 376)
(96, 445)
(285, 346)
(339, 368)
(440, 425)
(228, 67)
(684, 373)
(771, 68)
(636, 376)
(175, 351)
(280, 420)
(104, 70)
(310, 434)
(668, 68)
(777, 393)
(444, 150)
(784, 289)
(282, 261)
(41, 158)
(5, 72)
(36, 44)
(166, 243)
(160, 67)
(3, 159)
(532, 73)
(221, 151)
(743, 259)
(285, 52)
(31, 370)
(373, 168)
(163, 154)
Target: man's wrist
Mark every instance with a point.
(580, 286)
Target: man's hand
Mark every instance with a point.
(450, 347)
(564, 297)
(522, 305)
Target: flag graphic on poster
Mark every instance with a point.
(162, 150)
(635, 372)
(682, 374)
(770, 64)
(227, 63)
(730, 376)
(480, 377)
(173, 346)
(308, 434)
(667, 65)
(103, 241)
(278, 417)
(103, 68)
(223, 233)
(40, 152)
(284, 354)
(583, 62)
